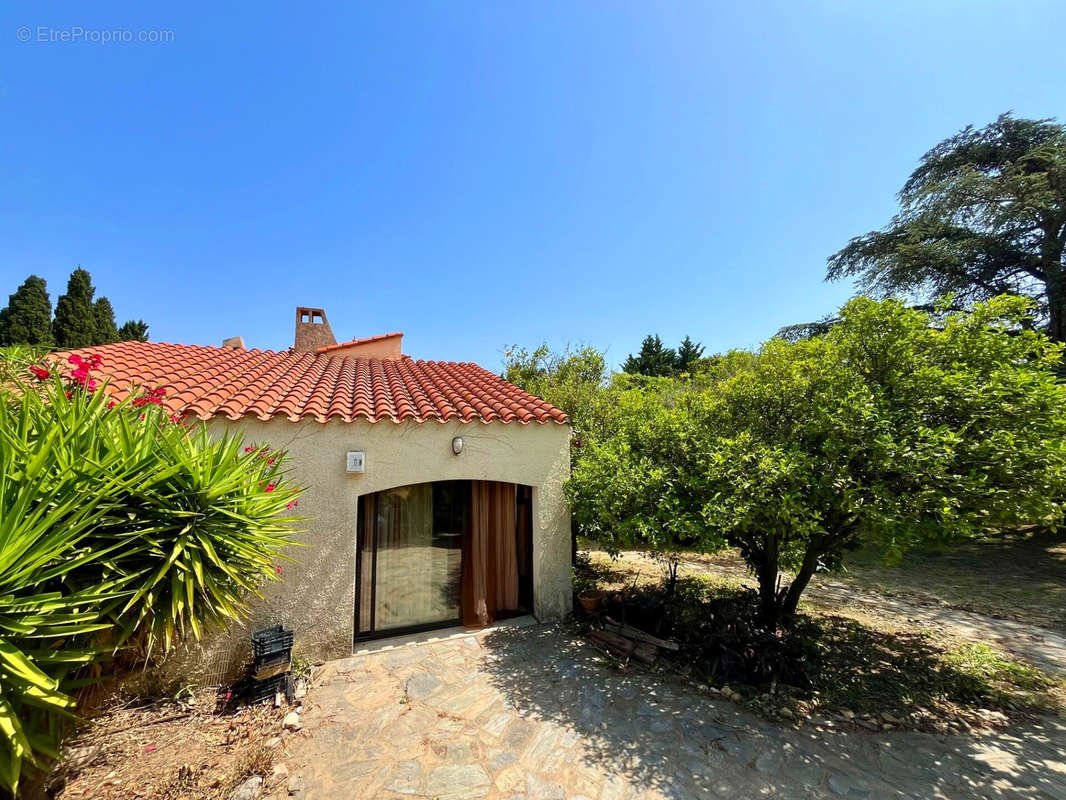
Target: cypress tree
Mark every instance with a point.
(653, 359)
(75, 322)
(28, 316)
(134, 330)
(104, 314)
(688, 354)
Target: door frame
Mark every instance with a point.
(524, 503)
(360, 554)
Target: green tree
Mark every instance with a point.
(688, 353)
(653, 359)
(134, 330)
(27, 319)
(75, 320)
(572, 380)
(886, 429)
(984, 214)
(104, 316)
(721, 366)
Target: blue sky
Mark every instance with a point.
(477, 174)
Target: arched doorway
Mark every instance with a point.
(436, 554)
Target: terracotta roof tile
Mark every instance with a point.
(212, 381)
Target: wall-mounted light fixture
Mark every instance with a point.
(356, 461)
(457, 445)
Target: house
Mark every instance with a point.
(434, 489)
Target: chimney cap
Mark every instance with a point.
(233, 343)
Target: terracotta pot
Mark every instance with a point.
(591, 600)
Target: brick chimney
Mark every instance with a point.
(312, 330)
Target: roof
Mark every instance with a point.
(353, 342)
(215, 382)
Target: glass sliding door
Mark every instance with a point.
(410, 556)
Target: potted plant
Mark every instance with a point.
(591, 600)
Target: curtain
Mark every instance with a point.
(490, 558)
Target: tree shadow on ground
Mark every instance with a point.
(660, 732)
(1016, 575)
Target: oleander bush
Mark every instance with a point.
(122, 530)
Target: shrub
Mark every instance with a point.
(897, 427)
(118, 525)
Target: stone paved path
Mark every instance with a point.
(534, 713)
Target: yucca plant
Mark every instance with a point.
(46, 630)
(118, 525)
(196, 539)
(15, 361)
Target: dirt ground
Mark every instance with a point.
(184, 748)
(1016, 576)
(175, 749)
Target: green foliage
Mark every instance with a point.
(104, 319)
(27, 319)
(134, 330)
(45, 625)
(984, 214)
(75, 321)
(16, 360)
(653, 359)
(688, 354)
(572, 380)
(722, 366)
(885, 429)
(118, 526)
(79, 322)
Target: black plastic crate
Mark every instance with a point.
(265, 668)
(271, 642)
(260, 691)
(270, 658)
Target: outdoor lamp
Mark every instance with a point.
(457, 445)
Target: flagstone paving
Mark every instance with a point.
(535, 713)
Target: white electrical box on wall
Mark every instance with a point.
(356, 461)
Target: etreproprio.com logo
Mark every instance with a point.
(73, 34)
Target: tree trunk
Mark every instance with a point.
(777, 607)
(671, 576)
(803, 577)
(1056, 303)
(767, 575)
(1054, 284)
(767, 571)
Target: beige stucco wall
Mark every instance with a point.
(388, 348)
(317, 594)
